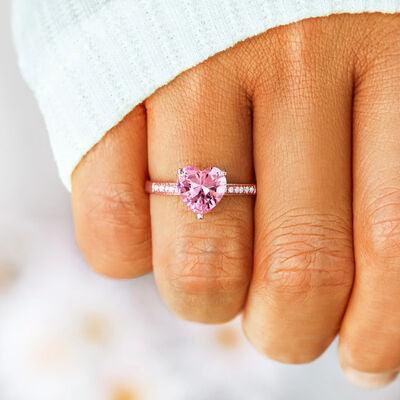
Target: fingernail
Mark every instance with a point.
(369, 380)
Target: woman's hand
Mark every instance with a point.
(312, 111)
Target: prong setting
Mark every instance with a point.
(200, 190)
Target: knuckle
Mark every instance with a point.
(305, 252)
(378, 55)
(114, 205)
(381, 225)
(292, 58)
(205, 262)
(190, 87)
(290, 65)
(297, 49)
(199, 93)
(112, 230)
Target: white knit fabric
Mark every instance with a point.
(89, 62)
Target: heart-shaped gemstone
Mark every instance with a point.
(201, 190)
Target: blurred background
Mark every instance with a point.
(68, 334)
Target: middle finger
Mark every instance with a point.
(303, 257)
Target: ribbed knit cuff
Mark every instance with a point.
(93, 72)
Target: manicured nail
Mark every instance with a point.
(369, 380)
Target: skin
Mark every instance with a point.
(311, 111)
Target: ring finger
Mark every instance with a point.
(202, 268)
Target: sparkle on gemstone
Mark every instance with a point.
(201, 190)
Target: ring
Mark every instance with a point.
(200, 190)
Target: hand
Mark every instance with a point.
(312, 112)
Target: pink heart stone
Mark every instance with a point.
(201, 190)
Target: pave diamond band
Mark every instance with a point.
(172, 189)
(200, 190)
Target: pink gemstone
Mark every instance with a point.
(202, 190)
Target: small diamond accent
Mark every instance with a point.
(173, 189)
(216, 179)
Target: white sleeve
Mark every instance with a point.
(89, 62)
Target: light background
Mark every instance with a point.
(67, 334)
